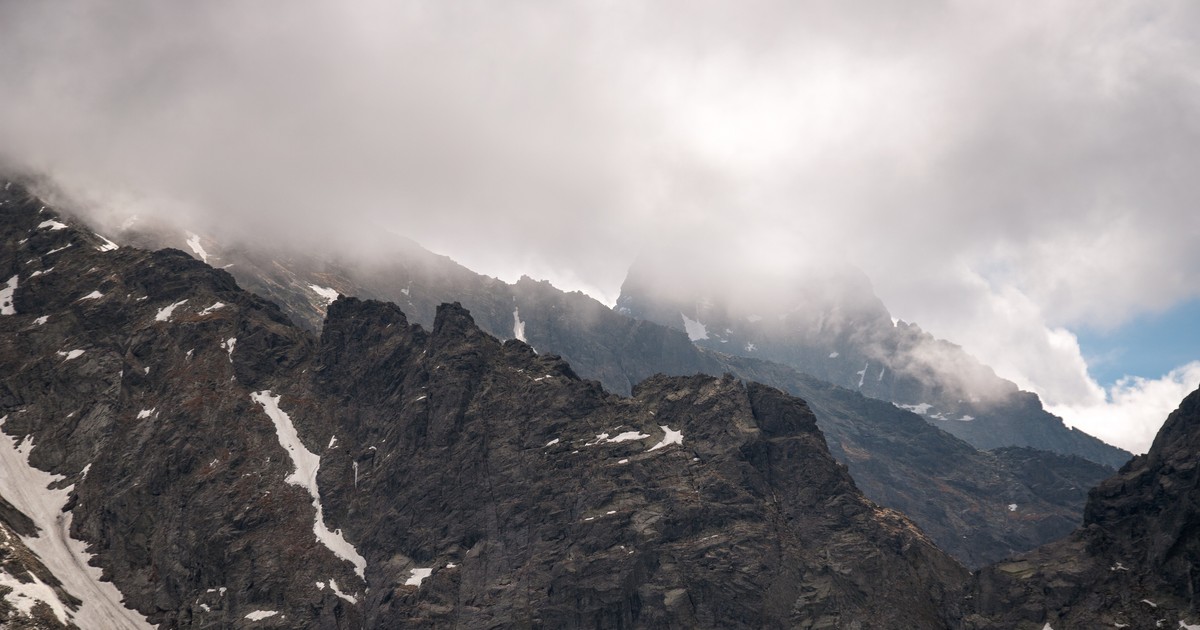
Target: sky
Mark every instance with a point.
(1018, 178)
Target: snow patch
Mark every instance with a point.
(1012, 507)
(107, 245)
(28, 490)
(307, 463)
(40, 272)
(215, 307)
(669, 437)
(57, 249)
(6, 296)
(418, 576)
(228, 346)
(922, 408)
(94, 295)
(553, 442)
(325, 292)
(332, 442)
(518, 325)
(1186, 626)
(833, 355)
(751, 347)
(695, 330)
(145, 413)
(193, 241)
(259, 615)
(337, 591)
(164, 313)
(862, 374)
(627, 436)
(42, 320)
(53, 225)
(25, 595)
(966, 418)
(74, 354)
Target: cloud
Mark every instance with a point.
(1004, 173)
(1134, 408)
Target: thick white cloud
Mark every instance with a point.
(1134, 408)
(1004, 172)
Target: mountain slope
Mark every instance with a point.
(228, 469)
(958, 495)
(1135, 562)
(829, 323)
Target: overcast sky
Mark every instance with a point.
(1010, 175)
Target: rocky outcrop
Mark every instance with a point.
(828, 322)
(980, 506)
(224, 468)
(957, 494)
(1134, 562)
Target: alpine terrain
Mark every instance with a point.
(179, 452)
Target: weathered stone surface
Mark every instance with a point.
(526, 496)
(958, 495)
(1134, 562)
(828, 322)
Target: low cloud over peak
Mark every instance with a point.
(1003, 173)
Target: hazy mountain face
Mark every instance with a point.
(961, 497)
(1132, 564)
(825, 320)
(222, 465)
(225, 467)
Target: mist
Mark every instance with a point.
(1004, 174)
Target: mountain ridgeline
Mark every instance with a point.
(962, 497)
(223, 467)
(828, 322)
(176, 452)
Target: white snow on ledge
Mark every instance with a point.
(669, 437)
(6, 297)
(164, 313)
(695, 330)
(27, 489)
(418, 576)
(53, 225)
(259, 615)
(107, 245)
(193, 241)
(325, 292)
(307, 464)
(518, 325)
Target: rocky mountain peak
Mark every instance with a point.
(228, 469)
(825, 320)
(1132, 564)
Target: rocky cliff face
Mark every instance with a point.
(1135, 563)
(958, 495)
(177, 453)
(980, 506)
(829, 323)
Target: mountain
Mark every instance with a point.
(827, 321)
(1135, 562)
(959, 496)
(176, 452)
